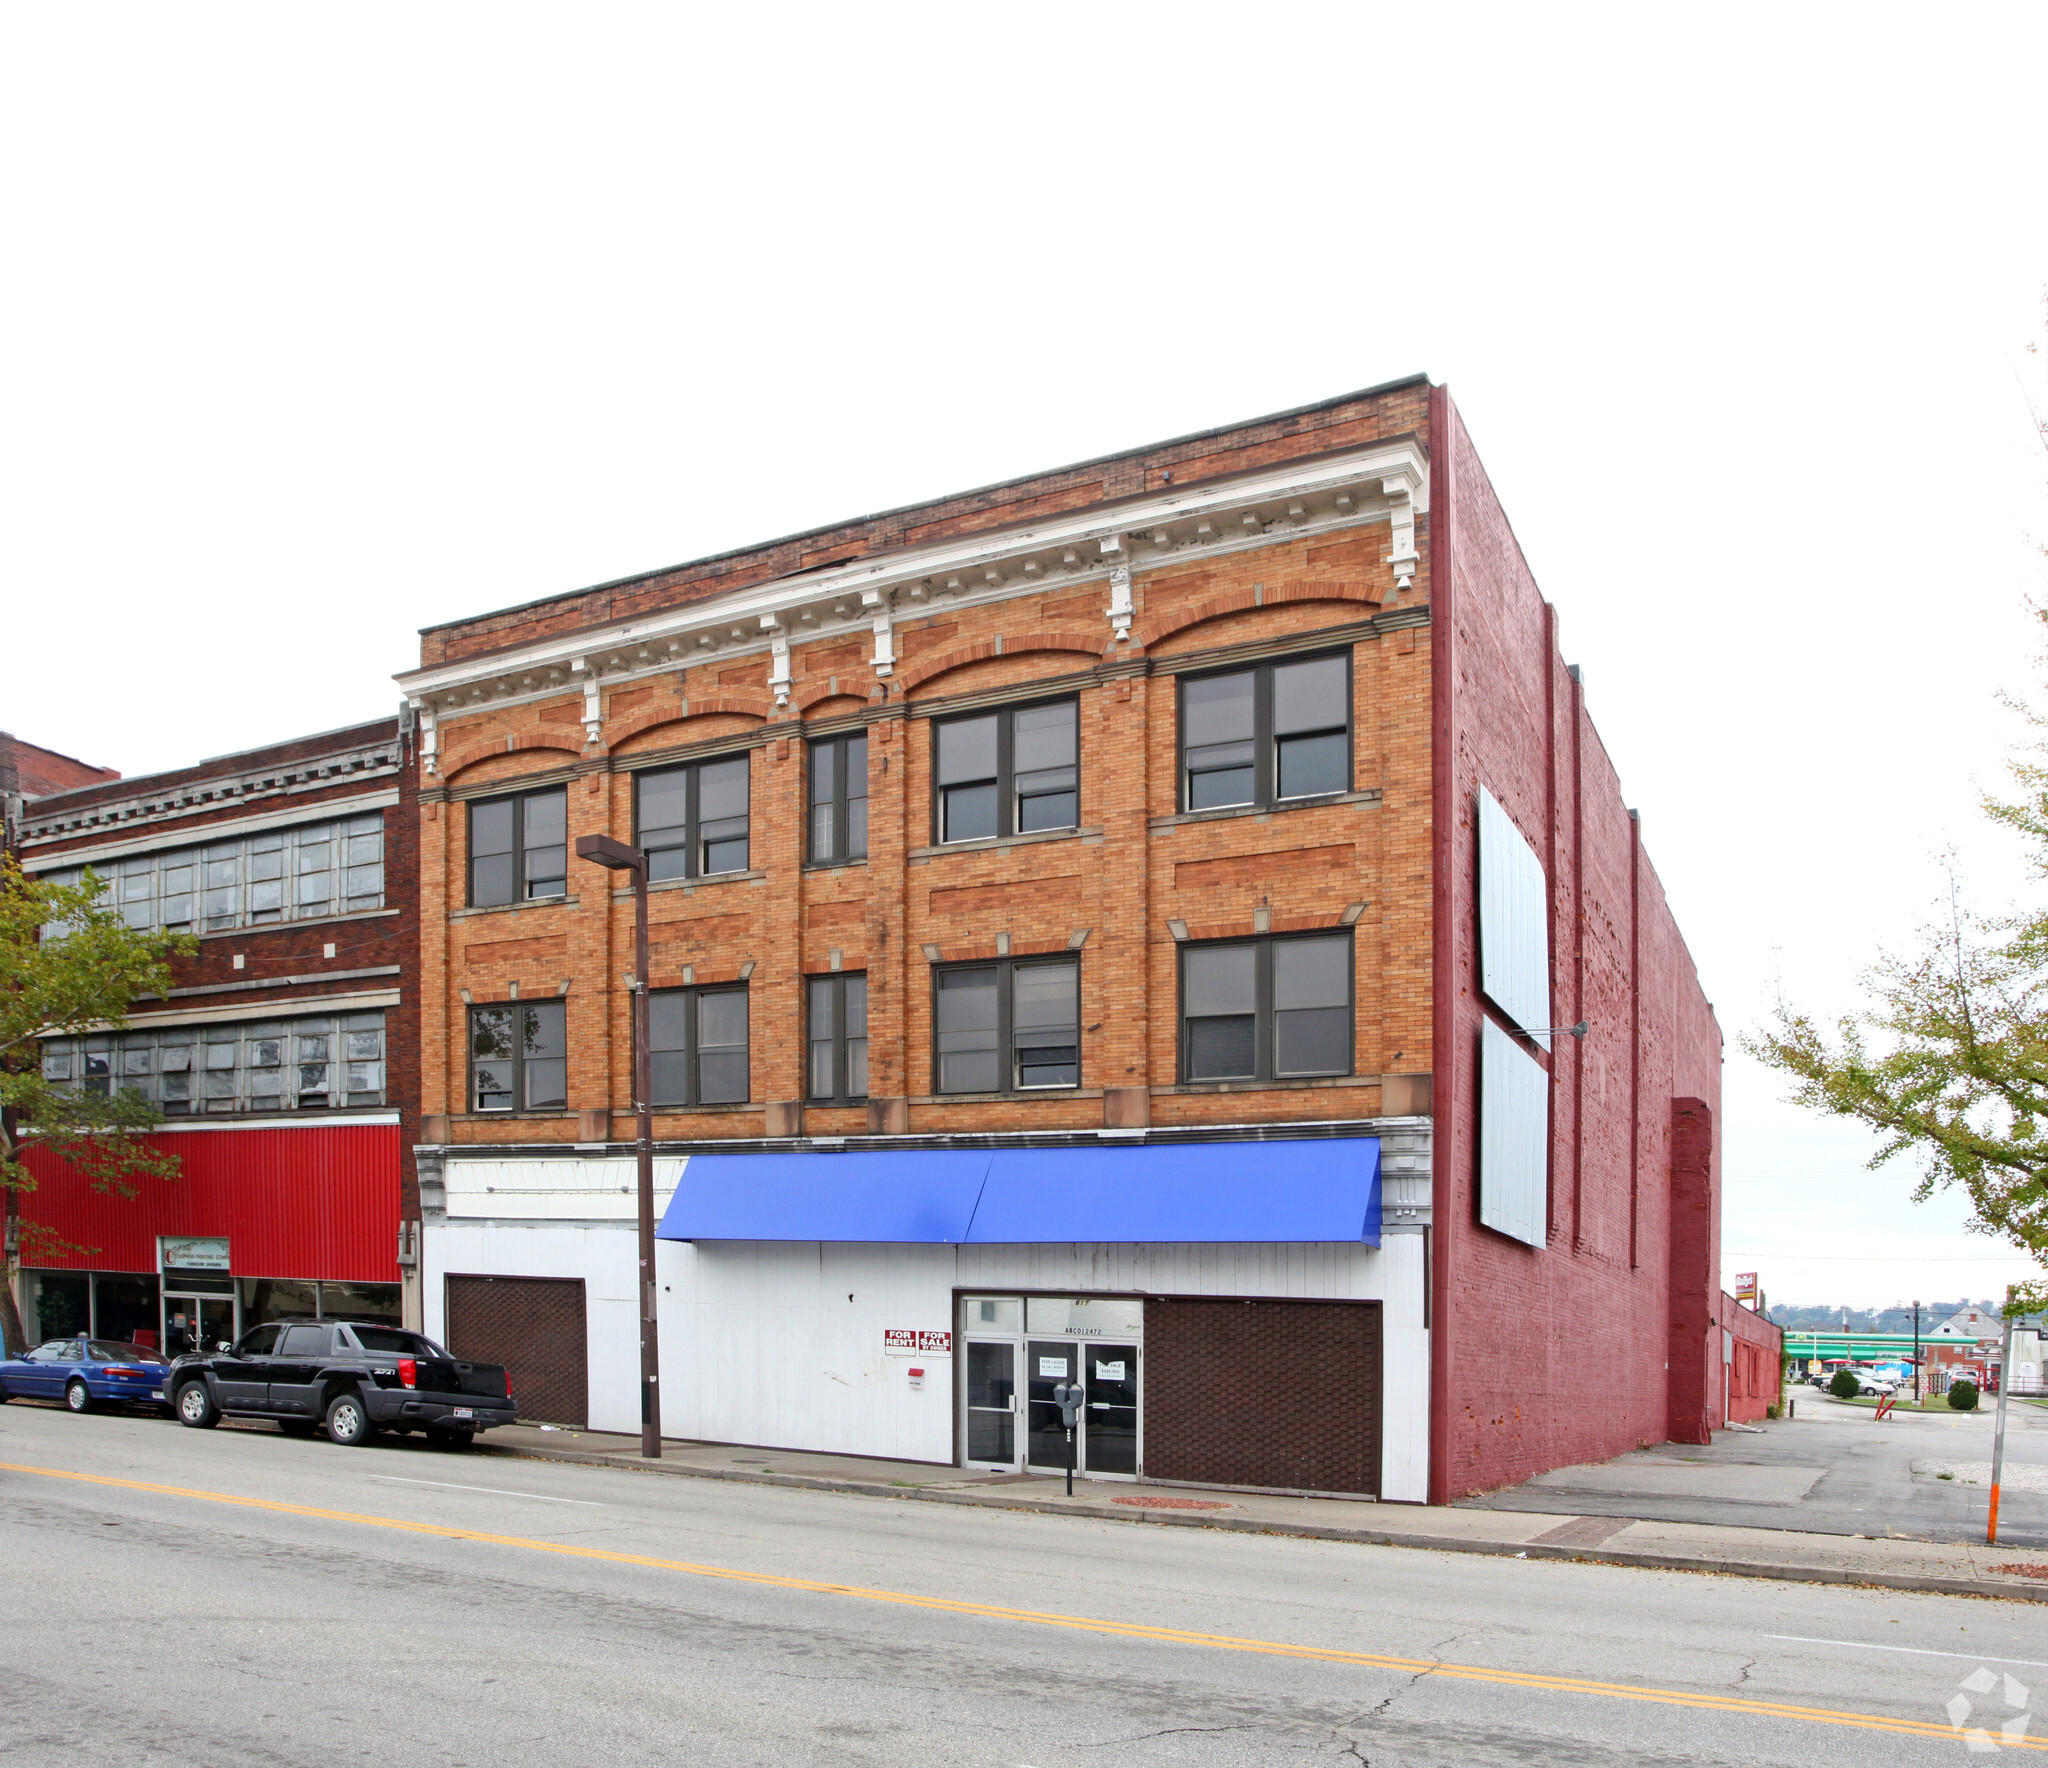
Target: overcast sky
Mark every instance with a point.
(322, 324)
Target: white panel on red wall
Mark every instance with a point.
(1514, 1133)
(1514, 922)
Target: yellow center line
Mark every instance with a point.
(1080, 1623)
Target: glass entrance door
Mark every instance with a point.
(1014, 1350)
(992, 1404)
(197, 1322)
(1111, 1434)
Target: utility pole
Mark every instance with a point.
(1998, 1434)
(1916, 1353)
(616, 856)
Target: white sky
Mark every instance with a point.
(325, 323)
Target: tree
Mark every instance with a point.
(69, 965)
(1950, 1060)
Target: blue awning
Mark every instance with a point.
(1322, 1190)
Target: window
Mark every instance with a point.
(692, 821)
(309, 873)
(838, 1037)
(260, 1065)
(1014, 1026)
(697, 1042)
(1266, 1009)
(839, 798)
(303, 1341)
(518, 848)
(518, 1056)
(1264, 735)
(1009, 772)
(259, 1343)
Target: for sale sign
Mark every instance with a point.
(908, 1341)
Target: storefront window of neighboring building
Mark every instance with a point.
(838, 1037)
(310, 1064)
(1266, 1009)
(698, 1046)
(302, 874)
(518, 1056)
(692, 821)
(839, 799)
(1266, 735)
(518, 848)
(1013, 1026)
(1012, 772)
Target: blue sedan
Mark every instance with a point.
(84, 1372)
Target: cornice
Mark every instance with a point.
(166, 806)
(1387, 482)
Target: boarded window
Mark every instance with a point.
(534, 1327)
(1514, 923)
(1514, 1136)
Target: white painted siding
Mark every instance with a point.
(1514, 921)
(1514, 1137)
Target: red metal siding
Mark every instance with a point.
(294, 1200)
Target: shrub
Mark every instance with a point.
(1963, 1396)
(1845, 1386)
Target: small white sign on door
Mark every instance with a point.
(1109, 1371)
(1053, 1366)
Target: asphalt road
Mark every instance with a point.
(1861, 1478)
(240, 1599)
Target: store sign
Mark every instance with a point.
(1745, 1286)
(905, 1341)
(195, 1255)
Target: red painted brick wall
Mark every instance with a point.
(1512, 1392)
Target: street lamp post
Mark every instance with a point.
(618, 857)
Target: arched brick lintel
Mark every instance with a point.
(745, 702)
(1238, 601)
(1020, 644)
(451, 765)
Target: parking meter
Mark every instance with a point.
(1070, 1399)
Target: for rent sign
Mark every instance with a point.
(909, 1341)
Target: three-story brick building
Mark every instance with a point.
(1113, 926)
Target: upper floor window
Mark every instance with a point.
(838, 1037)
(258, 1065)
(839, 798)
(1266, 1009)
(518, 1056)
(1011, 1026)
(697, 1044)
(1264, 735)
(692, 821)
(518, 847)
(306, 873)
(1009, 772)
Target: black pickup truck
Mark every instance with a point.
(355, 1376)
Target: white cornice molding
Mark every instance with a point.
(164, 834)
(1385, 483)
(301, 1007)
(163, 806)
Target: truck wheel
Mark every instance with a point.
(77, 1396)
(348, 1420)
(451, 1439)
(195, 1407)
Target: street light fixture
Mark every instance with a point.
(617, 856)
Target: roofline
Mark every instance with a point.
(737, 552)
(208, 761)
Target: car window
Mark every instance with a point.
(302, 1341)
(109, 1352)
(387, 1338)
(259, 1343)
(71, 1351)
(53, 1352)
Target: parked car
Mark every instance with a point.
(356, 1376)
(86, 1372)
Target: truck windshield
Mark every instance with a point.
(406, 1344)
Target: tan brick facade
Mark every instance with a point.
(1117, 888)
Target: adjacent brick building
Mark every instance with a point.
(1113, 924)
(282, 1057)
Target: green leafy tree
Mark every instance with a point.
(81, 980)
(1949, 1061)
(1844, 1386)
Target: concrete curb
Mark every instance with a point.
(1245, 1525)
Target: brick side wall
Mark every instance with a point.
(1509, 1387)
(1263, 1393)
(36, 772)
(1747, 1382)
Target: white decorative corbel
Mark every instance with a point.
(430, 738)
(884, 659)
(1121, 610)
(1400, 496)
(778, 668)
(593, 709)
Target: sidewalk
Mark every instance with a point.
(1950, 1568)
